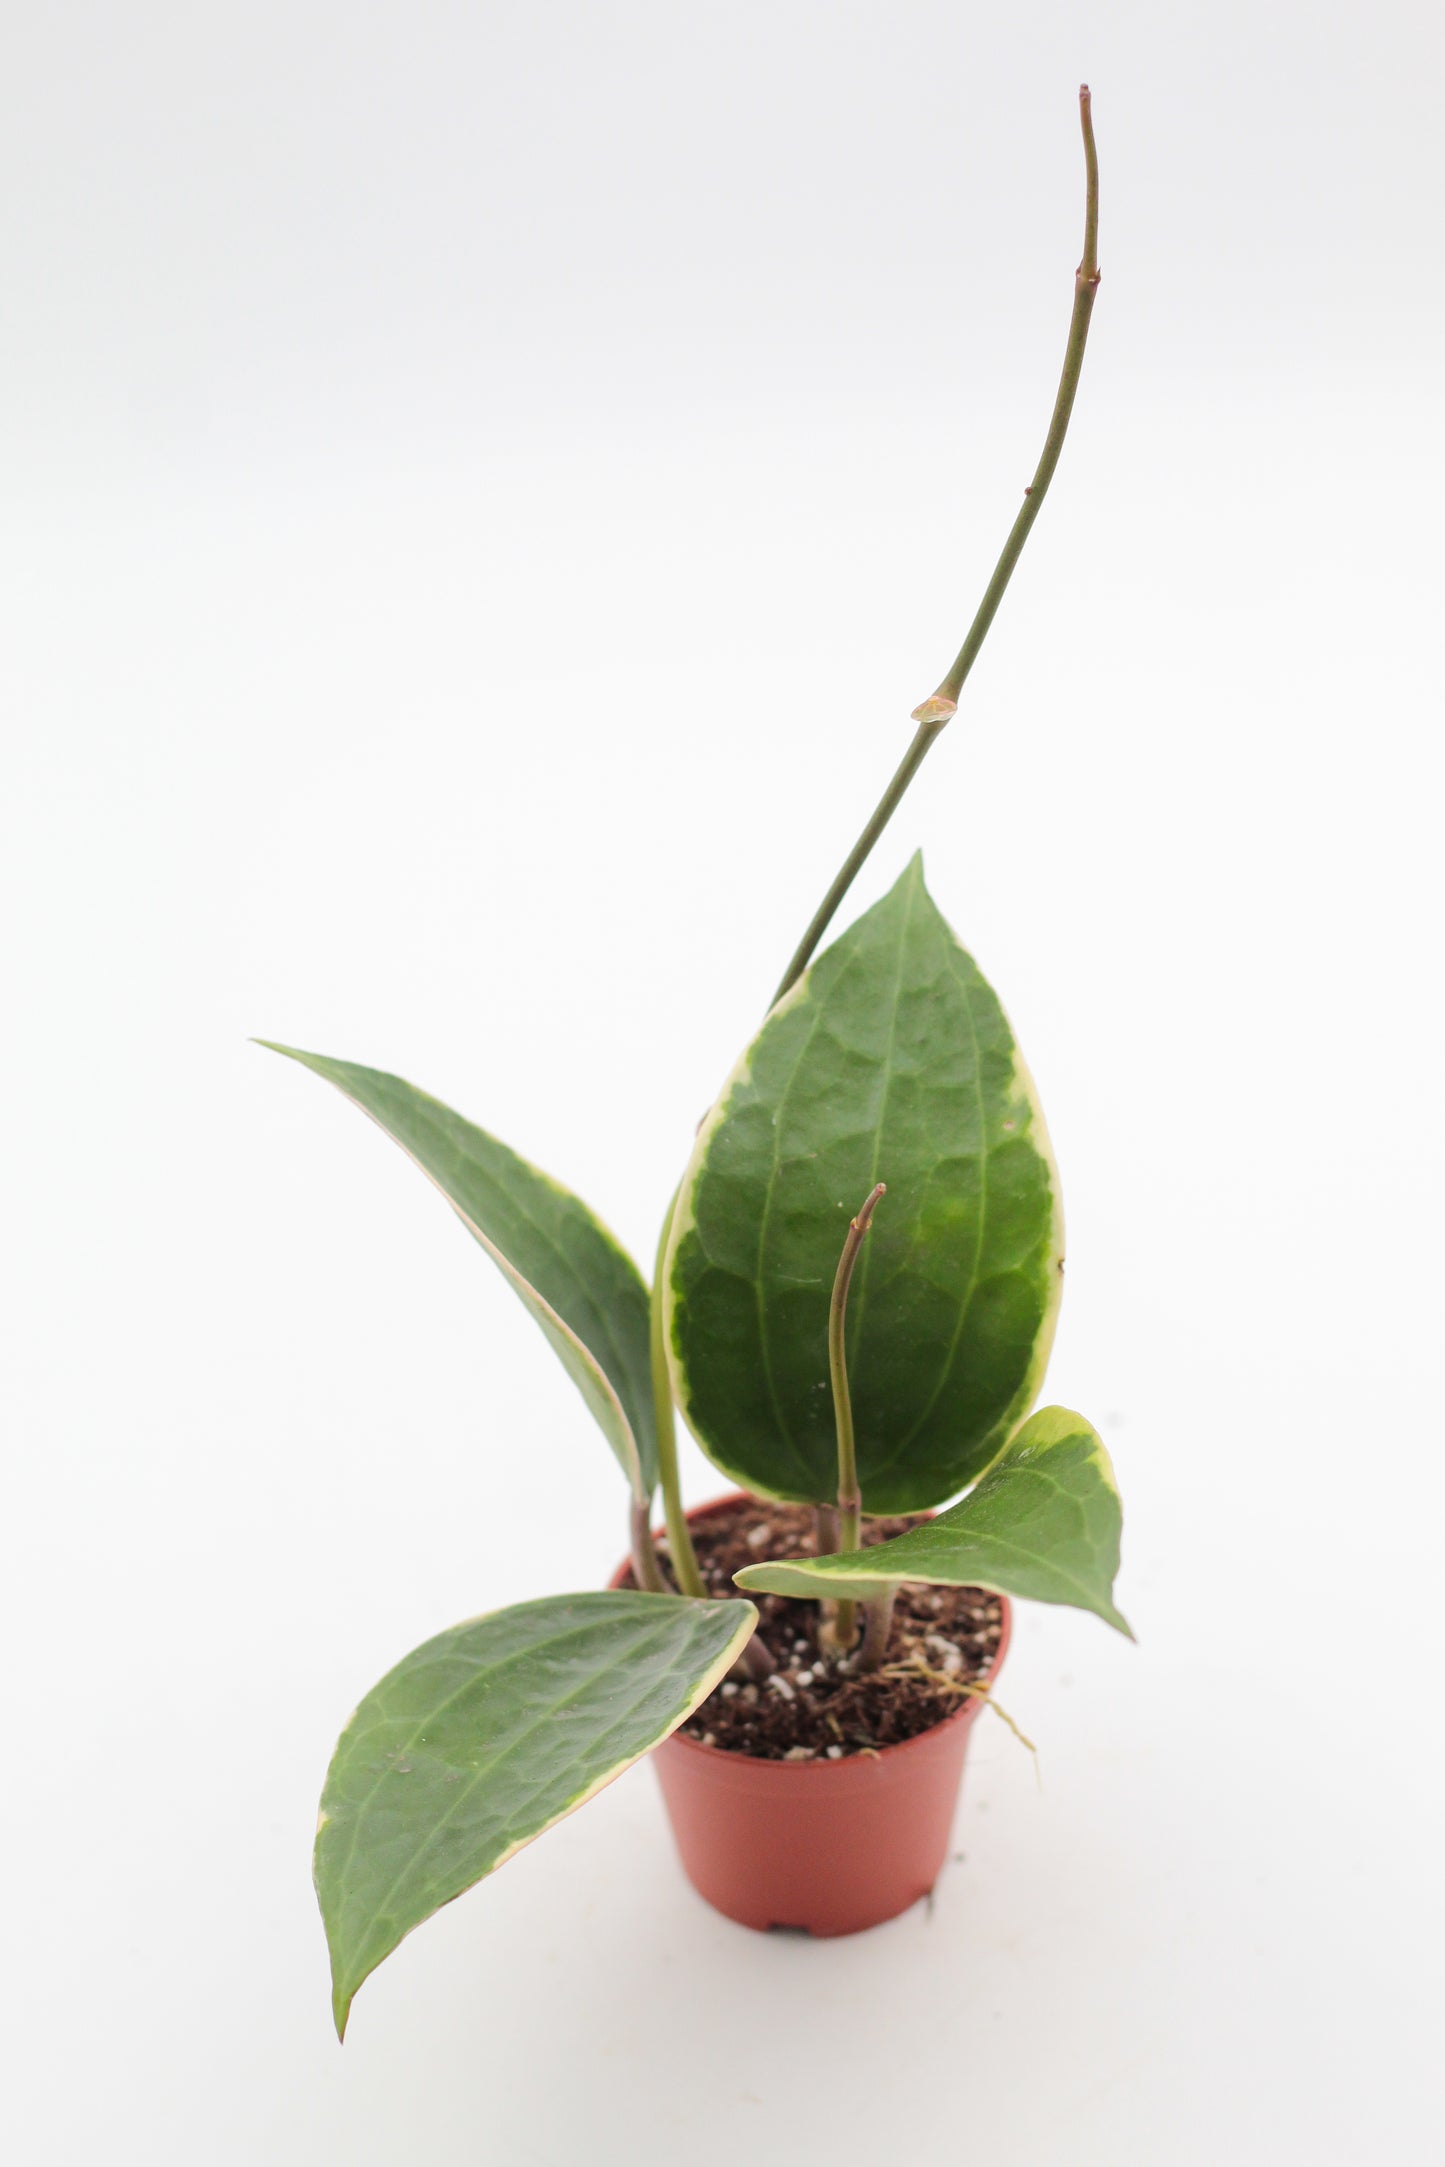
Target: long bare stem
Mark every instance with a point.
(850, 1501)
(887, 805)
(937, 709)
(1086, 284)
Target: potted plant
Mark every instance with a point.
(853, 1303)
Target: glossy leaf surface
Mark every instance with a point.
(1044, 1523)
(486, 1736)
(891, 1060)
(579, 1284)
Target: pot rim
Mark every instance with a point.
(793, 1770)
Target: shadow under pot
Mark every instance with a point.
(821, 1847)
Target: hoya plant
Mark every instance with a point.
(854, 1298)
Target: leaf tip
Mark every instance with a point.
(343, 1992)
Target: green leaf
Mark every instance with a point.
(1043, 1523)
(890, 1060)
(485, 1737)
(578, 1282)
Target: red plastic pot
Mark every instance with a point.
(823, 1847)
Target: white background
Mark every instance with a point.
(484, 485)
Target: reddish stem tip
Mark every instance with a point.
(861, 1223)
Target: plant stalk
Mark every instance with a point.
(878, 1624)
(934, 712)
(754, 1662)
(850, 1500)
(679, 1536)
(1086, 286)
(825, 1542)
(887, 805)
(646, 1568)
